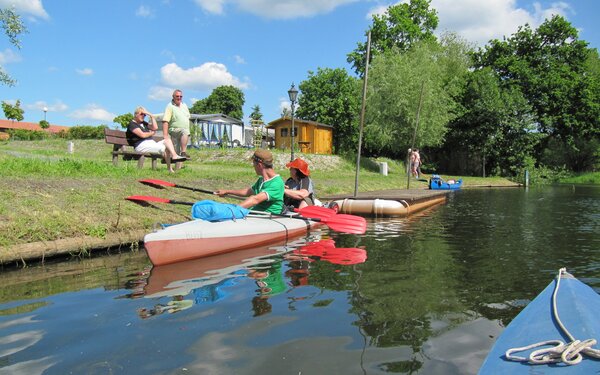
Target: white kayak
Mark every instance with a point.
(199, 238)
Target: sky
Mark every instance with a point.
(88, 61)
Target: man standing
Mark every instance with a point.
(176, 123)
(267, 192)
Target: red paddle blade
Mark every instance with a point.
(146, 198)
(328, 252)
(157, 182)
(346, 223)
(316, 212)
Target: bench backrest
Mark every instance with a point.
(119, 137)
(115, 137)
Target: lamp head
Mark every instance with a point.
(293, 93)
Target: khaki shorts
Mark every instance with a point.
(176, 134)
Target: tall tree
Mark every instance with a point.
(551, 67)
(399, 27)
(331, 96)
(256, 114)
(13, 112)
(494, 134)
(394, 94)
(13, 27)
(227, 100)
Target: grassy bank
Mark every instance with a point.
(47, 194)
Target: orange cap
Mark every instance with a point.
(300, 165)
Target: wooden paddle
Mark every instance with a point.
(339, 223)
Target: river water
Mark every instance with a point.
(436, 289)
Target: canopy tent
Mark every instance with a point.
(214, 128)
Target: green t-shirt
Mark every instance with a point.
(274, 189)
(177, 117)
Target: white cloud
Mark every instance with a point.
(277, 9)
(204, 77)
(480, 21)
(239, 59)
(211, 6)
(85, 71)
(161, 93)
(57, 106)
(92, 112)
(144, 12)
(33, 8)
(9, 56)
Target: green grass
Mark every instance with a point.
(48, 194)
(586, 178)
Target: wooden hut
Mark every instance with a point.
(311, 137)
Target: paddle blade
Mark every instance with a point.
(325, 250)
(316, 212)
(154, 182)
(346, 223)
(145, 198)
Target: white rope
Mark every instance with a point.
(569, 354)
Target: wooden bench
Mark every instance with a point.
(118, 139)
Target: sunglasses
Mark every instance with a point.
(178, 96)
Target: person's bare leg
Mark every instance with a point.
(184, 142)
(171, 149)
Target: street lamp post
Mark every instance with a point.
(293, 94)
(45, 110)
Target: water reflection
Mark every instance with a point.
(209, 280)
(432, 295)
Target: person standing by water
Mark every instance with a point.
(299, 188)
(176, 123)
(415, 161)
(139, 135)
(267, 192)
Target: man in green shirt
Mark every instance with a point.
(176, 123)
(267, 192)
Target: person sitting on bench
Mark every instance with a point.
(140, 133)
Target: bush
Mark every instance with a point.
(86, 132)
(27, 135)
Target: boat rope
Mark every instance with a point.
(568, 353)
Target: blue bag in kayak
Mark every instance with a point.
(215, 211)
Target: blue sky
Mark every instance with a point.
(88, 61)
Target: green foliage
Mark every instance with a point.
(332, 97)
(123, 120)
(586, 178)
(44, 124)
(496, 126)
(27, 135)
(394, 94)
(86, 132)
(540, 174)
(13, 112)
(13, 27)
(557, 75)
(256, 115)
(402, 25)
(227, 100)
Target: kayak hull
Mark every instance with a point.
(199, 238)
(578, 306)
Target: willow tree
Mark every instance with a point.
(394, 91)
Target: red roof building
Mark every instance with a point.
(9, 124)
